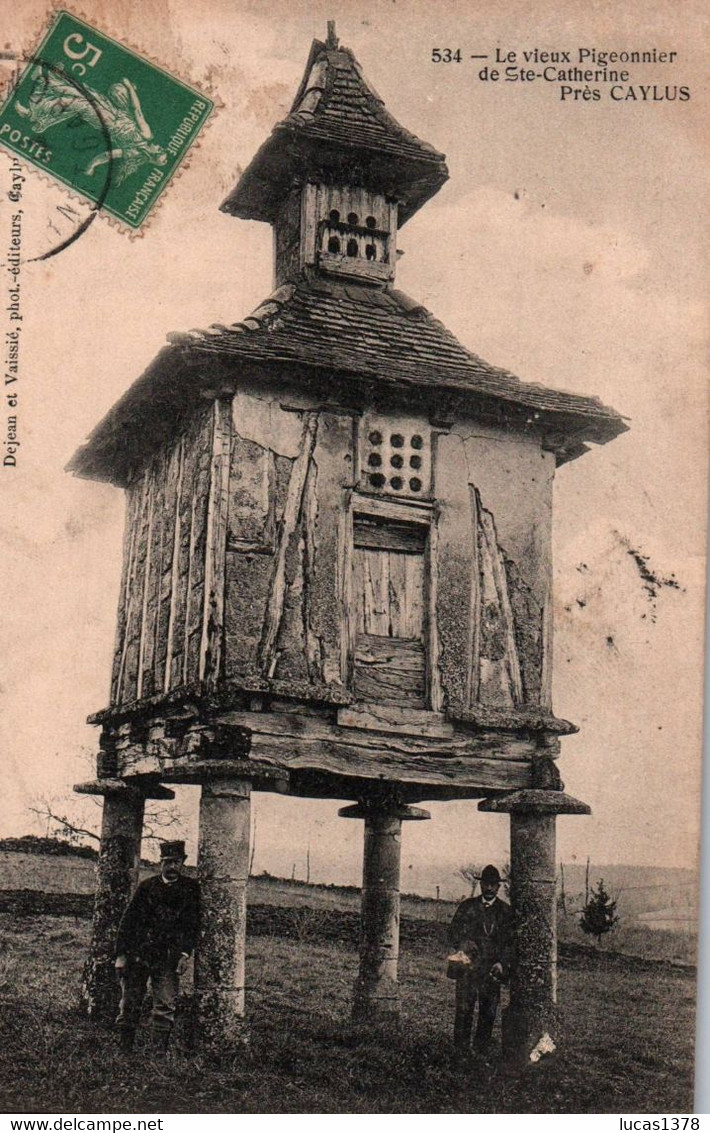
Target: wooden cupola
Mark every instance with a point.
(338, 176)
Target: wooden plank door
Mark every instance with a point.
(389, 581)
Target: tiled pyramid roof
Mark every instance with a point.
(337, 114)
(336, 102)
(349, 334)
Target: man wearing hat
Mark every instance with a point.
(482, 928)
(156, 936)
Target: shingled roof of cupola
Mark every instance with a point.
(337, 122)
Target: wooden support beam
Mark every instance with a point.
(309, 224)
(150, 504)
(216, 543)
(354, 762)
(472, 690)
(174, 574)
(484, 761)
(311, 728)
(345, 588)
(393, 221)
(312, 643)
(133, 513)
(501, 584)
(393, 718)
(435, 698)
(287, 527)
(129, 544)
(188, 586)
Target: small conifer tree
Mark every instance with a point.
(599, 914)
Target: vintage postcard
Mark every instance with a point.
(353, 571)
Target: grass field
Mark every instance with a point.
(626, 1039)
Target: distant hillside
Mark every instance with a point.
(651, 895)
(31, 844)
(639, 890)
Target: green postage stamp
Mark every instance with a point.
(108, 123)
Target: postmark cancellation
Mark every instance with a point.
(101, 119)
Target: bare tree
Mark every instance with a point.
(78, 818)
(60, 825)
(160, 823)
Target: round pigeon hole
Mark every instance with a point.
(396, 461)
(374, 460)
(377, 480)
(417, 441)
(396, 483)
(375, 437)
(415, 462)
(415, 484)
(396, 440)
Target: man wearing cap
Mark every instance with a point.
(482, 928)
(156, 936)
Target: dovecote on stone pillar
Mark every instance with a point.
(334, 504)
(337, 562)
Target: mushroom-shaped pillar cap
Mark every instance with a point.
(534, 801)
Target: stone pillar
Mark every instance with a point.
(533, 989)
(223, 868)
(376, 991)
(116, 877)
(529, 1024)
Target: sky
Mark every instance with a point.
(567, 246)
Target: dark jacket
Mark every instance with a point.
(485, 934)
(161, 921)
